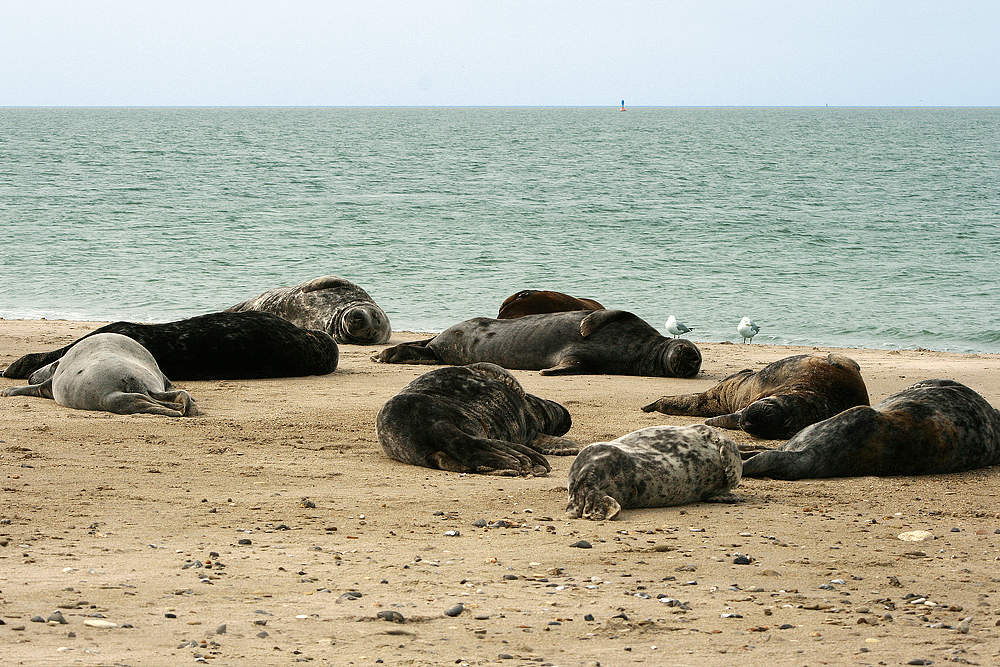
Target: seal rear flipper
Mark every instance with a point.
(555, 446)
(416, 352)
(600, 318)
(123, 403)
(188, 406)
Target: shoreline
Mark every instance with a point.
(120, 516)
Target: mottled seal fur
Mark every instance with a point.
(474, 418)
(108, 372)
(652, 467)
(612, 342)
(777, 401)
(328, 303)
(217, 346)
(533, 302)
(934, 426)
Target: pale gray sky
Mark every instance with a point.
(500, 53)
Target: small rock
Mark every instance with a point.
(221, 630)
(262, 634)
(244, 541)
(391, 616)
(100, 623)
(582, 544)
(479, 523)
(741, 560)
(916, 536)
(452, 533)
(588, 617)
(454, 611)
(56, 617)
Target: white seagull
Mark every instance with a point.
(747, 329)
(677, 328)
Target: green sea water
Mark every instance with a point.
(854, 227)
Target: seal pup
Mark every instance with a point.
(108, 372)
(676, 328)
(533, 302)
(777, 401)
(474, 418)
(328, 303)
(747, 329)
(216, 346)
(652, 467)
(934, 426)
(613, 342)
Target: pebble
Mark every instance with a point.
(99, 623)
(221, 630)
(56, 617)
(741, 560)
(391, 616)
(452, 533)
(454, 611)
(479, 523)
(582, 544)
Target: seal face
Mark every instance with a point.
(216, 346)
(533, 302)
(652, 467)
(934, 426)
(777, 401)
(108, 372)
(474, 418)
(328, 303)
(613, 342)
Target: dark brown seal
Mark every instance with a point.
(777, 401)
(109, 372)
(328, 303)
(474, 418)
(533, 302)
(934, 426)
(613, 342)
(217, 346)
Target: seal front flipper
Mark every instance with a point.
(416, 352)
(601, 318)
(731, 421)
(43, 390)
(569, 365)
(555, 446)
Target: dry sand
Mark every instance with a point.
(237, 537)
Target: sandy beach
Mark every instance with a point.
(271, 529)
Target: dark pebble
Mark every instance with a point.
(621, 615)
(392, 616)
(57, 617)
(244, 541)
(479, 523)
(262, 634)
(170, 615)
(741, 560)
(454, 611)
(510, 577)
(955, 530)
(785, 626)
(582, 544)
(221, 630)
(500, 524)
(37, 619)
(505, 656)
(588, 617)
(920, 661)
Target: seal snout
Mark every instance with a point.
(683, 358)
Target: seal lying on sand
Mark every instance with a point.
(217, 346)
(328, 303)
(777, 401)
(533, 302)
(474, 418)
(934, 426)
(612, 342)
(109, 372)
(652, 467)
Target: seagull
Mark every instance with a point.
(747, 329)
(677, 328)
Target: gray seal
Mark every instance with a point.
(932, 427)
(652, 467)
(216, 346)
(328, 303)
(474, 418)
(613, 342)
(108, 372)
(777, 401)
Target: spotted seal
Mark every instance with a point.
(474, 418)
(612, 342)
(216, 346)
(533, 302)
(108, 372)
(652, 467)
(328, 303)
(934, 426)
(777, 401)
